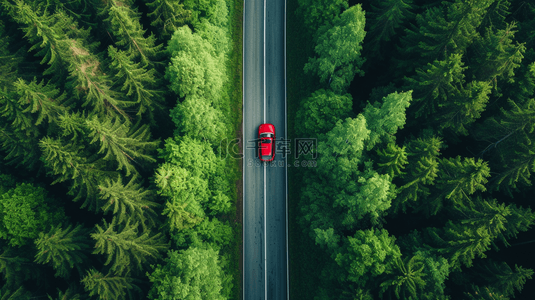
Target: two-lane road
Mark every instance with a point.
(265, 255)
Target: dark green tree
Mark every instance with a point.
(109, 286)
(126, 248)
(168, 15)
(64, 249)
(502, 278)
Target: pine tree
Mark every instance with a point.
(124, 24)
(168, 15)
(406, 278)
(137, 82)
(392, 160)
(126, 249)
(442, 31)
(69, 294)
(121, 144)
(495, 55)
(39, 98)
(501, 277)
(434, 84)
(456, 181)
(385, 19)
(109, 286)
(496, 14)
(15, 267)
(422, 170)
(64, 161)
(18, 293)
(484, 293)
(128, 201)
(8, 61)
(459, 243)
(64, 249)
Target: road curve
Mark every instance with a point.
(264, 185)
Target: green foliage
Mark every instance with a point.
(195, 68)
(109, 286)
(168, 15)
(406, 278)
(137, 82)
(319, 113)
(128, 201)
(484, 293)
(385, 117)
(124, 24)
(15, 268)
(45, 100)
(338, 50)
(501, 277)
(210, 232)
(64, 249)
(26, 210)
(366, 254)
(125, 247)
(318, 13)
(194, 274)
(386, 17)
(392, 160)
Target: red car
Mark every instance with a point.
(266, 135)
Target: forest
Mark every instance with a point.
(424, 116)
(112, 182)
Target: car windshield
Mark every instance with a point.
(266, 141)
(266, 135)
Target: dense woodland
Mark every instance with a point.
(112, 184)
(424, 113)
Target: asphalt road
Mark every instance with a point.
(264, 195)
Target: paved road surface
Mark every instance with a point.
(264, 198)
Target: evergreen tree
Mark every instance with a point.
(422, 170)
(406, 278)
(128, 201)
(338, 50)
(8, 61)
(109, 286)
(385, 19)
(137, 82)
(19, 293)
(15, 267)
(121, 144)
(434, 84)
(484, 293)
(496, 14)
(495, 55)
(69, 294)
(125, 248)
(124, 24)
(456, 181)
(64, 249)
(168, 15)
(502, 278)
(392, 160)
(441, 31)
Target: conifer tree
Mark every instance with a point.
(385, 18)
(459, 243)
(126, 248)
(45, 100)
(434, 84)
(128, 201)
(64, 249)
(137, 82)
(392, 160)
(405, 277)
(316, 13)
(484, 293)
(442, 31)
(8, 61)
(495, 55)
(15, 267)
(69, 294)
(18, 293)
(422, 170)
(109, 286)
(124, 24)
(502, 278)
(168, 15)
(64, 161)
(456, 181)
(120, 143)
(496, 14)
(337, 68)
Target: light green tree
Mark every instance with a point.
(109, 286)
(338, 50)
